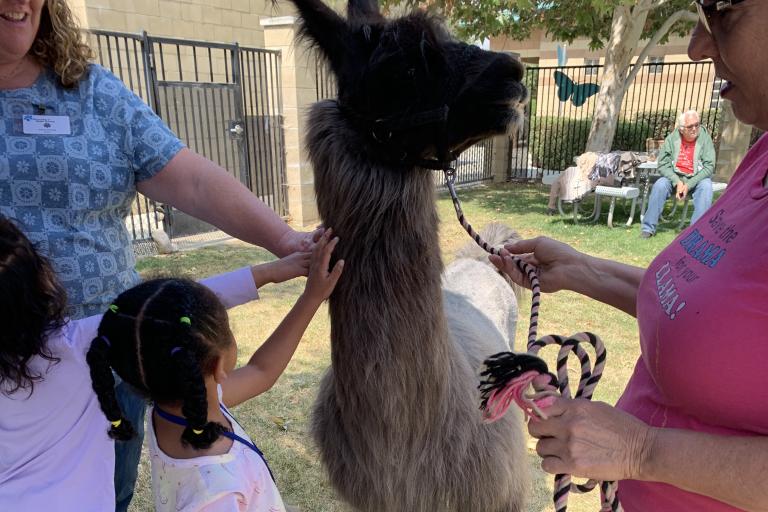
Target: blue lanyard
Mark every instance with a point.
(178, 420)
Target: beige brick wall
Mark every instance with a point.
(299, 91)
(543, 50)
(225, 21)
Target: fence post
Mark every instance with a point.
(500, 158)
(734, 142)
(299, 91)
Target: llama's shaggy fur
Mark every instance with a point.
(396, 419)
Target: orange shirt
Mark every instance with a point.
(685, 158)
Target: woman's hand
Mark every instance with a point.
(554, 261)
(321, 281)
(591, 440)
(299, 241)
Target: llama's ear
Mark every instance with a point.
(323, 28)
(363, 11)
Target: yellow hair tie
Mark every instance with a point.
(197, 432)
(116, 423)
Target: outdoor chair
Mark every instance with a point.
(576, 189)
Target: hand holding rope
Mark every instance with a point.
(508, 375)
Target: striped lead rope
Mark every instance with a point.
(507, 375)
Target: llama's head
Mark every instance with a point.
(407, 86)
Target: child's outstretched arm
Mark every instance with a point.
(271, 358)
(242, 285)
(281, 270)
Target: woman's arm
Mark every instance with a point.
(594, 440)
(563, 268)
(199, 187)
(271, 358)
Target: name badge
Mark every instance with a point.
(46, 125)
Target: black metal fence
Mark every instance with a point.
(474, 165)
(224, 101)
(559, 114)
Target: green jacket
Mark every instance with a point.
(703, 159)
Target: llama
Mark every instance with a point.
(396, 419)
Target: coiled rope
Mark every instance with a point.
(507, 375)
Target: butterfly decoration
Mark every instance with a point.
(578, 93)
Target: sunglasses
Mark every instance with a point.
(708, 10)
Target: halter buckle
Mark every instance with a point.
(450, 175)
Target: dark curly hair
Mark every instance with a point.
(32, 305)
(162, 337)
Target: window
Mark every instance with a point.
(656, 65)
(593, 64)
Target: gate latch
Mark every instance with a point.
(236, 129)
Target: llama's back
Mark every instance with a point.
(472, 276)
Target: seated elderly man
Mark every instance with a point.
(686, 163)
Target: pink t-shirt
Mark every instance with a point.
(702, 309)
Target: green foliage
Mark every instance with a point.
(563, 20)
(662, 122)
(555, 140)
(630, 136)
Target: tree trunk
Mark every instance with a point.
(626, 29)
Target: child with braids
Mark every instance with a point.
(170, 339)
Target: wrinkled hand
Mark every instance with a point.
(321, 282)
(553, 260)
(298, 241)
(591, 440)
(682, 190)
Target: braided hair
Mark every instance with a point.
(162, 337)
(32, 305)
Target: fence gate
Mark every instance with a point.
(559, 114)
(222, 100)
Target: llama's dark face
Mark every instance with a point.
(397, 77)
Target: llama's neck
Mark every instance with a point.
(387, 320)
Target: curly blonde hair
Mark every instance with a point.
(59, 45)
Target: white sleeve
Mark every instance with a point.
(233, 288)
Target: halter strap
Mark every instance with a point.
(178, 420)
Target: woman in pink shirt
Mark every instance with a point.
(691, 429)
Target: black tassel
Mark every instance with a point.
(503, 367)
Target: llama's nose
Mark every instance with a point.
(512, 64)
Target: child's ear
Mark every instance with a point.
(220, 370)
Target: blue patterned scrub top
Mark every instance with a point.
(71, 194)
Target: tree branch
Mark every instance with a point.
(683, 15)
(658, 3)
(645, 5)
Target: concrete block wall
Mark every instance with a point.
(207, 20)
(299, 92)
